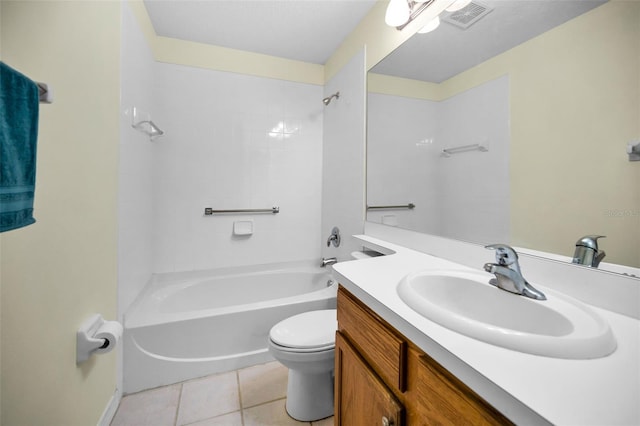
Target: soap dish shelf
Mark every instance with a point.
(141, 121)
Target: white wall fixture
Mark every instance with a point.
(142, 121)
(243, 227)
(45, 93)
(96, 336)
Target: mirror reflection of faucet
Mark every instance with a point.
(334, 238)
(508, 274)
(587, 252)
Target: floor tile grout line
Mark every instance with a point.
(265, 402)
(175, 419)
(240, 397)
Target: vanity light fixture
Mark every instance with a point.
(398, 13)
(401, 12)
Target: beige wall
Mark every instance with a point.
(62, 269)
(575, 103)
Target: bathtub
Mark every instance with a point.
(188, 325)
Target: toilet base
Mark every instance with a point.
(310, 396)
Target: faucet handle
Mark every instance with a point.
(334, 237)
(505, 255)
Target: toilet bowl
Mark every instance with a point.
(305, 344)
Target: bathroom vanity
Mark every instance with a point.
(396, 367)
(383, 378)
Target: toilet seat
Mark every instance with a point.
(303, 350)
(307, 332)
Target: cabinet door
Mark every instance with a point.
(445, 400)
(383, 349)
(361, 397)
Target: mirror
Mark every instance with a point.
(514, 129)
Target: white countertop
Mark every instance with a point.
(529, 389)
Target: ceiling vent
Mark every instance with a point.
(468, 15)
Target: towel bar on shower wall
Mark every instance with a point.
(208, 211)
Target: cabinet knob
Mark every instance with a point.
(386, 421)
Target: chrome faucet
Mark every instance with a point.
(587, 252)
(508, 274)
(328, 261)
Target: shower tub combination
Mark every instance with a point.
(192, 324)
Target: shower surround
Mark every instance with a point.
(231, 141)
(235, 142)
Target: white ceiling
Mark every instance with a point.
(449, 50)
(305, 30)
(311, 30)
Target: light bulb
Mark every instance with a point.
(397, 13)
(457, 5)
(431, 25)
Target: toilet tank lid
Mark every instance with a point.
(307, 330)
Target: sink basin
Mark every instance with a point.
(464, 301)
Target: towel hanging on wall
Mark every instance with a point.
(19, 107)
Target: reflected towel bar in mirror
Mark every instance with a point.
(474, 147)
(409, 206)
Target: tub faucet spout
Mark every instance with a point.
(328, 261)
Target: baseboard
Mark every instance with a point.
(110, 409)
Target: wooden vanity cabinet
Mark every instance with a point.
(364, 398)
(381, 378)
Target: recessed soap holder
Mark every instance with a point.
(243, 227)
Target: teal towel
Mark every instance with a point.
(19, 107)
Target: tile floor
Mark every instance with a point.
(252, 396)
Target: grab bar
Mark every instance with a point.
(405, 206)
(208, 211)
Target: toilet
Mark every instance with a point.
(305, 344)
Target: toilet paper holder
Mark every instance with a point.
(92, 338)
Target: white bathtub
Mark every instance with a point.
(187, 325)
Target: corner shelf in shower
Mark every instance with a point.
(141, 121)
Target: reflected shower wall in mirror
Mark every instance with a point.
(542, 128)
